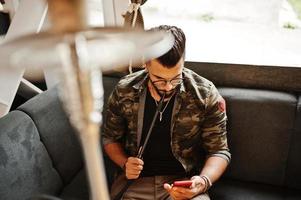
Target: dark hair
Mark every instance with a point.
(172, 57)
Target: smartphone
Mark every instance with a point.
(186, 183)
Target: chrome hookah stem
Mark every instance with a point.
(83, 91)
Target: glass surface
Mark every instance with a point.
(95, 13)
(162, 83)
(234, 31)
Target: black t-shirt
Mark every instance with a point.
(158, 158)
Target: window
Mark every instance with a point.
(234, 31)
(95, 13)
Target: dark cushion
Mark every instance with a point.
(77, 189)
(250, 76)
(240, 190)
(56, 132)
(25, 166)
(293, 170)
(260, 126)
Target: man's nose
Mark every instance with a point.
(168, 86)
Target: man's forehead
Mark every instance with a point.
(160, 76)
(165, 73)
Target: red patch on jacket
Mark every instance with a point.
(222, 104)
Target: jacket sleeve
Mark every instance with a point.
(214, 133)
(114, 124)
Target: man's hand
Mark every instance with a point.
(182, 193)
(133, 167)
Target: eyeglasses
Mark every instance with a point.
(162, 83)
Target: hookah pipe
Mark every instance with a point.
(73, 46)
(142, 148)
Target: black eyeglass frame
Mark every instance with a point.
(163, 82)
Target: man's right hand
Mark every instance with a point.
(133, 167)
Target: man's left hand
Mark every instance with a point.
(182, 193)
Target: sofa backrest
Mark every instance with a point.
(56, 133)
(25, 166)
(39, 149)
(264, 120)
(263, 136)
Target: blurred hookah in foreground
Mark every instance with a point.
(84, 54)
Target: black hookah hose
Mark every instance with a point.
(142, 148)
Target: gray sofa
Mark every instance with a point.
(40, 154)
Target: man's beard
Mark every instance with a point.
(168, 94)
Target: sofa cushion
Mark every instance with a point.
(56, 132)
(293, 170)
(77, 189)
(25, 166)
(260, 128)
(240, 190)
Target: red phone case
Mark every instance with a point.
(187, 183)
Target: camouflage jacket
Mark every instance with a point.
(198, 122)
